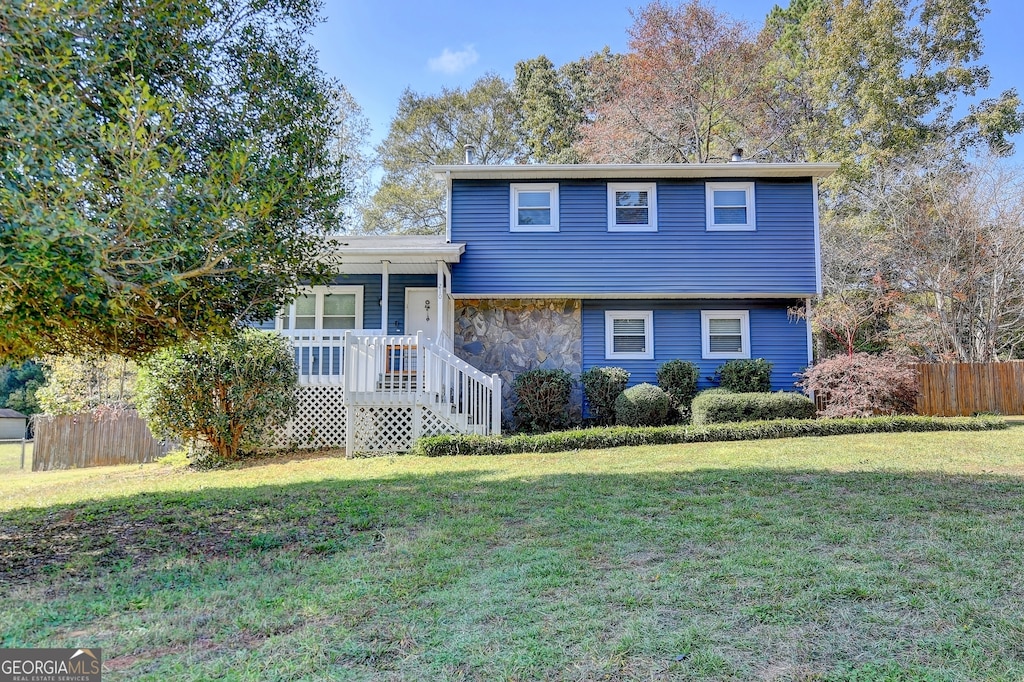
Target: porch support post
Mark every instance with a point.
(385, 294)
(440, 303)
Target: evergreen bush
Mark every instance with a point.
(601, 386)
(228, 393)
(678, 378)
(745, 376)
(718, 406)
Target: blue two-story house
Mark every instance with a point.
(558, 266)
(576, 266)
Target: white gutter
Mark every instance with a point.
(637, 171)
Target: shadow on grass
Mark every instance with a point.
(326, 517)
(709, 574)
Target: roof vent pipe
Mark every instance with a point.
(737, 155)
(470, 154)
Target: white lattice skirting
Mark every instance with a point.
(319, 421)
(384, 429)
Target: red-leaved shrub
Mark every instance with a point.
(862, 385)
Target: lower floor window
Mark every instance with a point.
(629, 334)
(329, 307)
(725, 334)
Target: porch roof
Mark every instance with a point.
(406, 254)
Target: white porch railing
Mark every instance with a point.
(413, 371)
(319, 355)
(410, 375)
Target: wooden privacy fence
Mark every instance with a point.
(91, 440)
(966, 388)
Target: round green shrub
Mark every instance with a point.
(642, 405)
(601, 386)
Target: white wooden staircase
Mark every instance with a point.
(399, 388)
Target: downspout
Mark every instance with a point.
(817, 238)
(448, 207)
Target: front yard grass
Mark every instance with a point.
(870, 557)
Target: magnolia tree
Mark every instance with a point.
(228, 393)
(168, 170)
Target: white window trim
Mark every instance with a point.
(705, 333)
(515, 188)
(652, 206)
(709, 200)
(609, 342)
(319, 291)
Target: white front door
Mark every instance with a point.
(421, 311)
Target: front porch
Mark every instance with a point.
(374, 352)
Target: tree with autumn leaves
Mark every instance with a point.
(892, 90)
(684, 93)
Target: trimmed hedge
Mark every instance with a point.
(718, 406)
(619, 436)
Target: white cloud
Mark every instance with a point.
(453, 62)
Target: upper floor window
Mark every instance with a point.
(632, 207)
(730, 206)
(534, 207)
(725, 334)
(330, 307)
(629, 334)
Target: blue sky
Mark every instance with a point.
(379, 48)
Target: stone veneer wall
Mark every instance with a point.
(510, 336)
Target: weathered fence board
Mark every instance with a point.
(966, 388)
(88, 440)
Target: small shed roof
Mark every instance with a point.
(11, 414)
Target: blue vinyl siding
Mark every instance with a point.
(773, 336)
(681, 257)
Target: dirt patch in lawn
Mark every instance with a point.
(100, 537)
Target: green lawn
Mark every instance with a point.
(881, 557)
